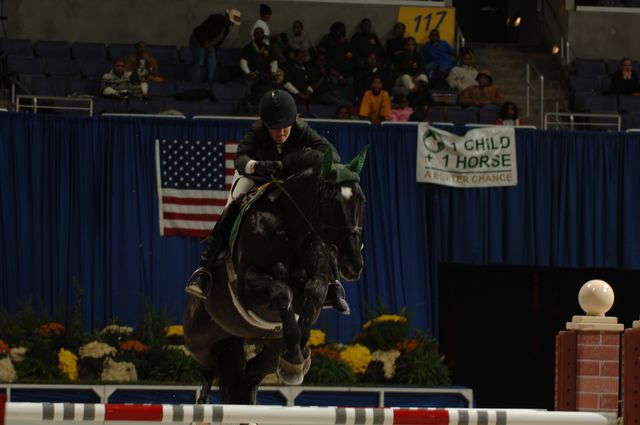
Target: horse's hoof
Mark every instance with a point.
(290, 373)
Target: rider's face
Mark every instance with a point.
(280, 135)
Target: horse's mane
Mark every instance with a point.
(307, 159)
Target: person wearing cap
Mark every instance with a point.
(484, 95)
(205, 39)
(259, 157)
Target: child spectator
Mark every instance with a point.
(402, 111)
(407, 67)
(263, 22)
(342, 113)
(508, 114)
(464, 74)
(376, 104)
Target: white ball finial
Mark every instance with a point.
(596, 297)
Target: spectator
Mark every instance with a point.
(464, 74)
(485, 94)
(116, 83)
(438, 56)
(263, 22)
(204, 41)
(257, 62)
(407, 67)
(143, 64)
(365, 42)
(508, 114)
(339, 57)
(401, 111)
(395, 45)
(323, 84)
(376, 104)
(297, 40)
(371, 69)
(624, 82)
(420, 98)
(342, 113)
(297, 79)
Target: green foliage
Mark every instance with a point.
(175, 366)
(384, 335)
(422, 366)
(327, 369)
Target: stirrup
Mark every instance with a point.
(194, 288)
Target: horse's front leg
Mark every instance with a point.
(274, 289)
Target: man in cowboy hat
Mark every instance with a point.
(204, 41)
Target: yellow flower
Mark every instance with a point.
(385, 318)
(357, 357)
(316, 338)
(174, 330)
(68, 364)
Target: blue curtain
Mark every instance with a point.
(78, 207)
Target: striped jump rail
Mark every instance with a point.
(275, 415)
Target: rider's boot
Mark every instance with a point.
(213, 254)
(336, 298)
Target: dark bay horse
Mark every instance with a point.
(289, 246)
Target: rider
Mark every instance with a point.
(277, 134)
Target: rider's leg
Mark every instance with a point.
(335, 293)
(216, 243)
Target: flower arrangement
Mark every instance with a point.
(50, 351)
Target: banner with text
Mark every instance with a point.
(483, 157)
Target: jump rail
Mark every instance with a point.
(273, 415)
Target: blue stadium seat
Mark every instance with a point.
(462, 116)
(578, 100)
(16, 47)
(581, 83)
(186, 54)
(95, 52)
(217, 108)
(163, 89)
(49, 86)
(53, 49)
(322, 111)
(228, 92)
(24, 65)
(90, 69)
(436, 114)
(83, 87)
(142, 106)
(487, 116)
(62, 67)
(603, 83)
(590, 67)
(164, 53)
(629, 103)
(174, 71)
(602, 103)
(120, 50)
(103, 105)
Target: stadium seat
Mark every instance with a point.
(186, 54)
(487, 116)
(590, 67)
(629, 103)
(174, 71)
(603, 83)
(602, 103)
(228, 92)
(217, 108)
(49, 86)
(53, 49)
(90, 69)
(462, 116)
(24, 65)
(578, 100)
(16, 47)
(96, 52)
(142, 106)
(164, 53)
(581, 83)
(103, 105)
(120, 50)
(62, 67)
(435, 114)
(163, 89)
(322, 111)
(83, 87)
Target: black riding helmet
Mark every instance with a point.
(278, 109)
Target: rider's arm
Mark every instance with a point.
(312, 139)
(244, 160)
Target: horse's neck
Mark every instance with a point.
(299, 206)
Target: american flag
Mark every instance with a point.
(193, 178)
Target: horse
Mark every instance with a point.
(289, 244)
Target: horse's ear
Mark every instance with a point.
(357, 163)
(327, 163)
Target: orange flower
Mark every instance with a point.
(4, 348)
(407, 345)
(50, 329)
(134, 345)
(325, 352)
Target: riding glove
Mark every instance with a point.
(267, 168)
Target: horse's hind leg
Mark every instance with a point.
(231, 360)
(205, 390)
(264, 363)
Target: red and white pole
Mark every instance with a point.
(274, 415)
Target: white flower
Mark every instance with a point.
(119, 372)
(182, 348)
(388, 360)
(17, 354)
(96, 350)
(115, 329)
(7, 371)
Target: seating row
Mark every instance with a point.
(596, 67)
(92, 51)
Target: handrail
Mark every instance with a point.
(460, 40)
(573, 115)
(530, 87)
(35, 106)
